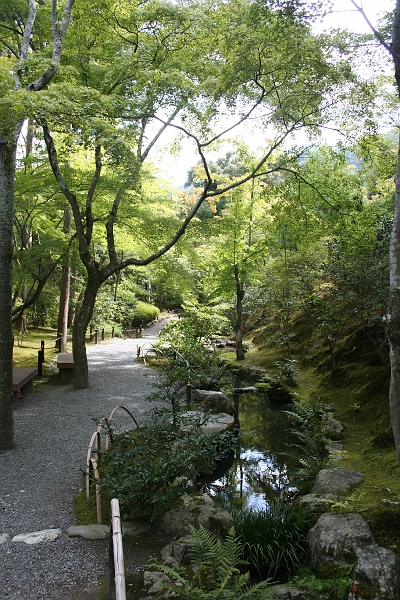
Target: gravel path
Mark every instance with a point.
(41, 476)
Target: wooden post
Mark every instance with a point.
(40, 363)
(112, 331)
(102, 333)
(96, 336)
(116, 589)
(42, 349)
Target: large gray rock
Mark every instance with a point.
(334, 429)
(176, 553)
(338, 539)
(336, 481)
(217, 423)
(315, 505)
(201, 395)
(376, 575)
(218, 404)
(196, 510)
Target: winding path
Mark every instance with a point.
(41, 476)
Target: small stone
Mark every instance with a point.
(4, 537)
(89, 532)
(35, 537)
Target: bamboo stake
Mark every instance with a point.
(98, 496)
(117, 571)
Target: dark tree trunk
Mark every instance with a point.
(7, 172)
(239, 316)
(82, 320)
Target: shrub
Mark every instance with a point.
(149, 468)
(273, 538)
(144, 313)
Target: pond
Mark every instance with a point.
(258, 472)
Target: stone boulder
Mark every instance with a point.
(250, 371)
(176, 553)
(196, 510)
(215, 423)
(334, 428)
(338, 539)
(315, 505)
(216, 402)
(336, 481)
(89, 532)
(201, 395)
(376, 575)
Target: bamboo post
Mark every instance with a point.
(98, 496)
(116, 589)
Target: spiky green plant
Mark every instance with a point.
(273, 539)
(215, 574)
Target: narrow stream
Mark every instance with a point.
(260, 467)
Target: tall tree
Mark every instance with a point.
(158, 59)
(18, 47)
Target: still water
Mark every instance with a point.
(260, 467)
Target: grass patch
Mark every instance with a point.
(26, 348)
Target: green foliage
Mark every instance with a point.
(325, 587)
(215, 574)
(148, 469)
(288, 371)
(144, 313)
(273, 539)
(309, 427)
(196, 361)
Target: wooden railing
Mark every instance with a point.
(116, 584)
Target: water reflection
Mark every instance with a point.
(260, 467)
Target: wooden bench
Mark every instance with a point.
(65, 365)
(23, 380)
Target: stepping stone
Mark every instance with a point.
(4, 537)
(35, 537)
(89, 532)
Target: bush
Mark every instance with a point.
(273, 538)
(149, 468)
(144, 313)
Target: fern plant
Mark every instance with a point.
(309, 427)
(215, 574)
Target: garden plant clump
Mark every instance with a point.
(149, 468)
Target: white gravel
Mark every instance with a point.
(41, 476)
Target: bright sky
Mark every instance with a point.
(343, 15)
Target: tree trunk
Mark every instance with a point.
(82, 320)
(62, 326)
(239, 316)
(7, 173)
(394, 317)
